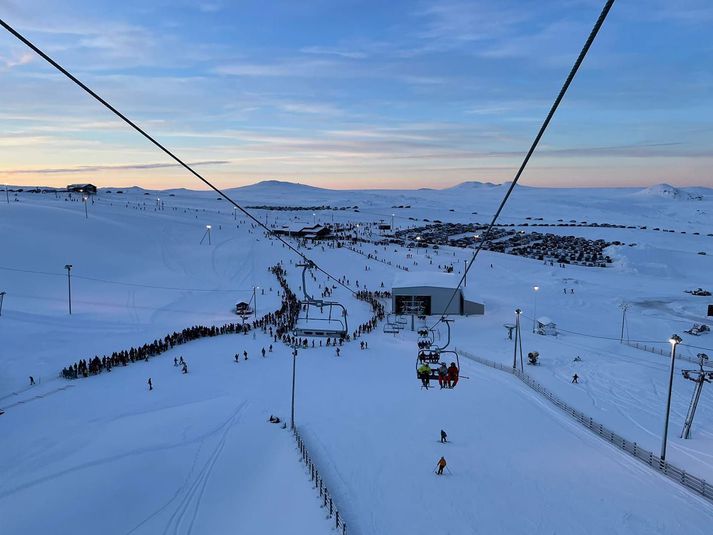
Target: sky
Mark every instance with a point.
(358, 94)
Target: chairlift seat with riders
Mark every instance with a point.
(437, 356)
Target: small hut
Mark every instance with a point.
(546, 327)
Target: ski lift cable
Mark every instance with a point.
(616, 339)
(156, 143)
(540, 133)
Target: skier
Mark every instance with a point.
(245, 354)
(337, 351)
(185, 368)
(444, 437)
(237, 358)
(424, 373)
(181, 361)
(452, 375)
(361, 345)
(443, 375)
(441, 465)
(32, 380)
(150, 384)
(263, 352)
(575, 378)
(175, 361)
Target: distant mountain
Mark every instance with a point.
(472, 184)
(275, 186)
(667, 191)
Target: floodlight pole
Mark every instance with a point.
(294, 361)
(517, 336)
(534, 317)
(255, 301)
(68, 267)
(674, 340)
(2, 298)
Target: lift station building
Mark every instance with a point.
(430, 292)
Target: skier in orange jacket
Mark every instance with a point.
(441, 465)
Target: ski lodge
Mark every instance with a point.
(300, 230)
(430, 292)
(82, 188)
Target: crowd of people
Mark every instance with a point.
(278, 324)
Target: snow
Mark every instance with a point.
(196, 454)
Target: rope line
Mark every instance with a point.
(136, 284)
(540, 133)
(156, 143)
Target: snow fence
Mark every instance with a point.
(325, 497)
(691, 482)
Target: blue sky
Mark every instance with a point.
(365, 94)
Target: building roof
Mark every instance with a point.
(412, 279)
(544, 320)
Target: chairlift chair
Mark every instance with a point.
(334, 325)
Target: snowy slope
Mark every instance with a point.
(197, 456)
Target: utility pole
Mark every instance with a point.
(623, 307)
(674, 340)
(86, 214)
(465, 272)
(534, 317)
(255, 300)
(699, 377)
(2, 298)
(68, 267)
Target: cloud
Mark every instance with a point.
(123, 167)
(330, 51)
(17, 60)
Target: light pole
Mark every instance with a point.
(674, 340)
(86, 214)
(518, 336)
(314, 218)
(255, 300)
(235, 213)
(208, 227)
(623, 319)
(418, 243)
(2, 298)
(392, 222)
(7, 195)
(534, 317)
(294, 362)
(68, 267)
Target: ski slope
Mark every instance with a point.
(196, 454)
